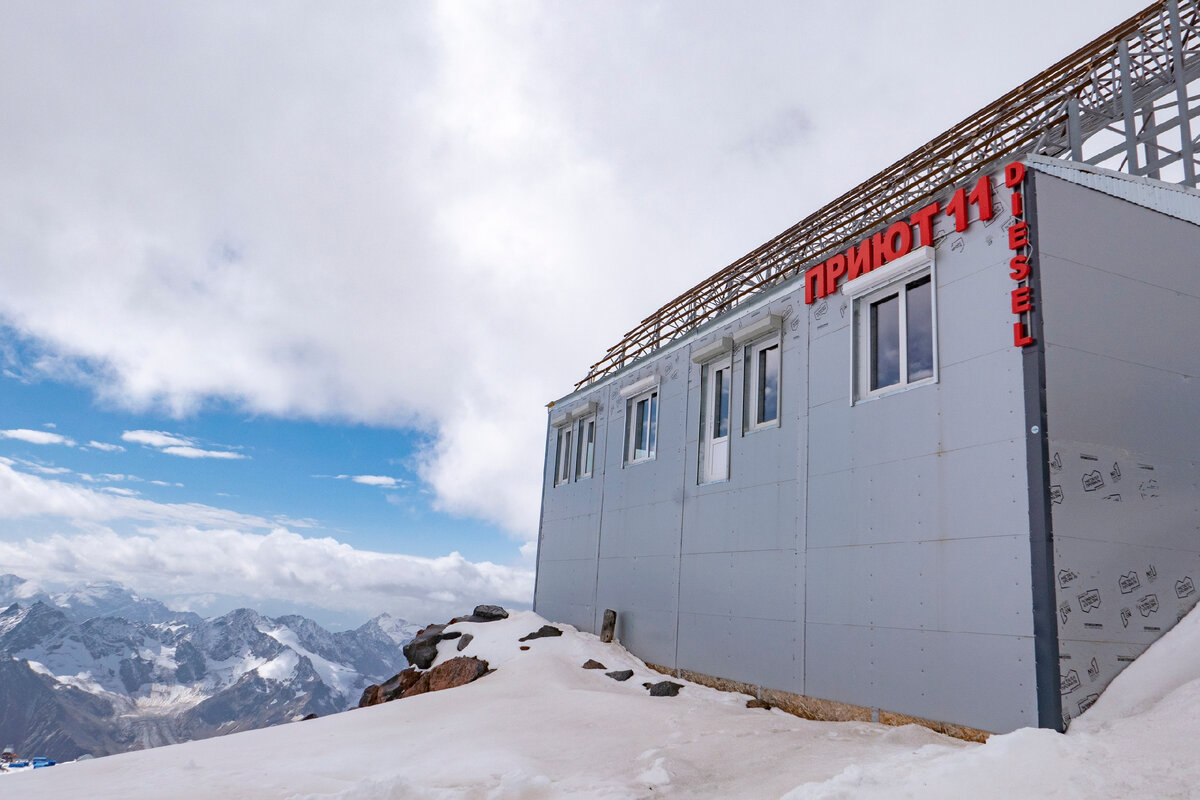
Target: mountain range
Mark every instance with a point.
(99, 669)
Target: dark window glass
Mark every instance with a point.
(721, 399)
(885, 342)
(653, 426)
(768, 384)
(919, 309)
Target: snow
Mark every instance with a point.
(342, 679)
(542, 727)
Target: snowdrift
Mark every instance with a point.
(541, 726)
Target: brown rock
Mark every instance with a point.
(371, 696)
(756, 703)
(592, 663)
(524, 647)
(447, 675)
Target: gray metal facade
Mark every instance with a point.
(1121, 288)
(878, 553)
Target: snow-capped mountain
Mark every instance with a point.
(100, 670)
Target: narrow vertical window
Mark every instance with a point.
(714, 421)
(761, 407)
(564, 456)
(585, 454)
(885, 342)
(642, 427)
(919, 319)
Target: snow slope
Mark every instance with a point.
(541, 727)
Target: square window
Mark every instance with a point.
(761, 376)
(641, 427)
(585, 447)
(895, 325)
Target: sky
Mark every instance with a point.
(285, 288)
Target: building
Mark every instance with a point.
(934, 452)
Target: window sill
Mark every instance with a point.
(894, 390)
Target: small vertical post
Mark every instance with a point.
(1127, 108)
(1074, 130)
(1181, 96)
(609, 627)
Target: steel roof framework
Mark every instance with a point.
(1120, 102)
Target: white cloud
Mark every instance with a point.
(37, 437)
(186, 451)
(433, 215)
(23, 496)
(123, 492)
(155, 439)
(278, 565)
(106, 447)
(383, 481)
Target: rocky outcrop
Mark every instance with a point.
(592, 663)
(411, 682)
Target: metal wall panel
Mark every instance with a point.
(917, 578)
(931, 674)
(1121, 292)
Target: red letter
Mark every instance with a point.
(1022, 300)
(1018, 236)
(923, 219)
(1020, 338)
(1020, 268)
(904, 232)
(981, 196)
(814, 284)
(878, 254)
(1014, 173)
(957, 208)
(859, 260)
(1018, 205)
(834, 269)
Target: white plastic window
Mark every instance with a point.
(641, 427)
(761, 408)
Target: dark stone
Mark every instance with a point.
(524, 647)
(464, 641)
(664, 689)
(592, 663)
(308, 716)
(541, 633)
(756, 703)
(451, 635)
(609, 627)
(422, 650)
(620, 675)
(488, 613)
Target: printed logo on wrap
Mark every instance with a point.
(1089, 600)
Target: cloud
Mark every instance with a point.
(186, 451)
(277, 565)
(383, 481)
(430, 215)
(108, 448)
(37, 437)
(23, 496)
(155, 439)
(175, 445)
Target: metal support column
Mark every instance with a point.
(1181, 95)
(1127, 109)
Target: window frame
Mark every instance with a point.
(751, 382)
(650, 396)
(708, 438)
(562, 468)
(580, 459)
(891, 279)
